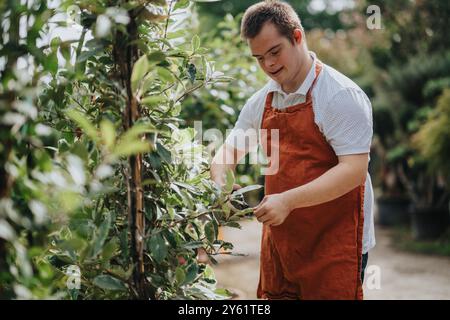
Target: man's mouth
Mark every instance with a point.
(276, 72)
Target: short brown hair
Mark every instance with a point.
(281, 14)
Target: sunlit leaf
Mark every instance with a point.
(181, 4)
(108, 133)
(229, 181)
(140, 68)
(156, 56)
(165, 75)
(83, 122)
(132, 148)
(153, 100)
(247, 189)
(180, 275)
(195, 43)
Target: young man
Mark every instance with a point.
(317, 210)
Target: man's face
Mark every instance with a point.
(276, 55)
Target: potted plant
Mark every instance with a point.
(410, 96)
(392, 200)
(433, 143)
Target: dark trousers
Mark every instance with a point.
(365, 257)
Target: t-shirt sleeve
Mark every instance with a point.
(244, 135)
(347, 122)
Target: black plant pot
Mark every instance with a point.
(393, 211)
(429, 223)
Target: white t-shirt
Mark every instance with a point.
(342, 111)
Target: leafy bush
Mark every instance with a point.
(104, 187)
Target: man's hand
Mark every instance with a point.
(273, 210)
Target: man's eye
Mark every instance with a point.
(275, 52)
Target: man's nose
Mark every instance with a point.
(270, 62)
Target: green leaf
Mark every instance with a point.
(176, 34)
(65, 51)
(153, 100)
(171, 212)
(192, 72)
(108, 133)
(222, 293)
(155, 160)
(157, 247)
(110, 249)
(130, 142)
(140, 68)
(181, 4)
(83, 122)
(208, 273)
(165, 75)
(120, 272)
(108, 282)
(233, 224)
(132, 148)
(79, 149)
(187, 186)
(193, 245)
(175, 188)
(63, 145)
(164, 153)
(188, 199)
(51, 63)
(101, 235)
(195, 43)
(156, 56)
(135, 131)
(247, 189)
(191, 273)
(55, 43)
(73, 294)
(180, 275)
(229, 181)
(226, 210)
(210, 232)
(85, 55)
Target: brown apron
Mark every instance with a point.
(316, 252)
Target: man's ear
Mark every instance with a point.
(298, 36)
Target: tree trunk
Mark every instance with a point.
(135, 191)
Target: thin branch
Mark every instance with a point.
(189, 92)
(167, 23)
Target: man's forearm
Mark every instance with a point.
(334, 183)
